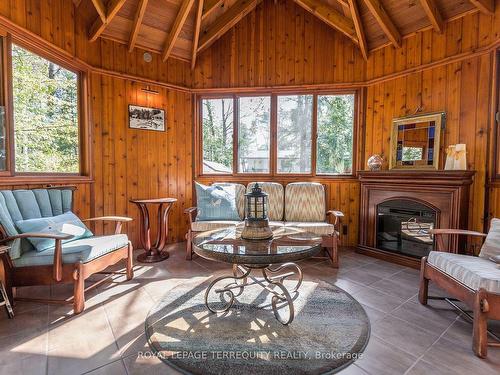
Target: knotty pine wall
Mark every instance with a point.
(126, 163)
(274, 46)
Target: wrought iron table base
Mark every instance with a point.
(241, 274)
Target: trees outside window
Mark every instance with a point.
(45, 103)
(335, 118)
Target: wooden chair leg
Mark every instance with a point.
(423, 292)
(78, 289)
(479, 325)
(189, 245)
(130, 261)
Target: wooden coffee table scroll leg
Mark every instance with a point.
(154, 253)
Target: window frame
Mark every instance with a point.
(10, 175)
(273, 173)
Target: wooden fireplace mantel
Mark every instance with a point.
(447, 192)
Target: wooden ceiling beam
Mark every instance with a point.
(358, 25)
(385, 22)
(196, 35)
(210, 5)
(139, 15)
(101, 9)
(433, 14)
(99, 25)
(176, 28)
(485, 6)
(330, 16)
(345, 5)
(226, 21)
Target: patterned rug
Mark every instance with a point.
(329, 332)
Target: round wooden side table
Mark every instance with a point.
(154, 253)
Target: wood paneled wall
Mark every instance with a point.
(279, 44)
(275, 45)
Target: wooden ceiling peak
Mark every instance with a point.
(330, 16)
(176, 28)
(358, 25)
(139, 15)
(485, 6)
(196, 34)
(100, 24)
(433, 14)
(385, 22)
(225, 22)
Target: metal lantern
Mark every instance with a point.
(256, 222)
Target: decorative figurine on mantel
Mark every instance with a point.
(256, 222)
(375, 162)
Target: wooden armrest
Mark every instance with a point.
(55, 236)
(456, 231)
(191, 212)
(338, 215)
(122, 219)
(119, 220)
(58, 237)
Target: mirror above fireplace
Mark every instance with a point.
(415, 141)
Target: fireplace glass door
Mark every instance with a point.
(403, 227)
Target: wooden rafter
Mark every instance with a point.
(139, 15)
(223, 23)
(196, 35)
(330, 16)
(385, 22)
(210, 5)
(100, 8)
(485, 6)
(99, 25)
(176, 28)
(358, 25)
(433, 14)
(345, 4)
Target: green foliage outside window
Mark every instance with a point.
(45, 115)
(335, 134)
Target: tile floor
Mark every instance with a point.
(406, 338)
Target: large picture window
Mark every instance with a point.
(41, 116)
(278, 134)
(45, 98)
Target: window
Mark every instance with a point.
(40, 117)
(335, 134)
(45, 98)
(217, 118)
(254, 134)
(277, 134)
(294, 133)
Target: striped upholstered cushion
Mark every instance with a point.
(319, 228)
(491, 246)
(275, 198)
(305, 201)
(472, 271)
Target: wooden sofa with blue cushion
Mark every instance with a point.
(298, 204)
(67, 260)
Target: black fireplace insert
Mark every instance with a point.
(403, 227)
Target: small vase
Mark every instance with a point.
(375, 163)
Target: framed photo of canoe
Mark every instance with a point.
(146, 118)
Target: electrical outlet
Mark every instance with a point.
(344, 229)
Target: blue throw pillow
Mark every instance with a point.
(216, 202)
(67, 223)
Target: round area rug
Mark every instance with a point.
(330, 330)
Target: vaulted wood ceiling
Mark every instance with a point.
(184, 28)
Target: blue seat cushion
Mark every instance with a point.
(85, 250)
(67, 223)
(216, 202)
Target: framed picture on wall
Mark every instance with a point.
(146, 118)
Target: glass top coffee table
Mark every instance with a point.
(274, 258)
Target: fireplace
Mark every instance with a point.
(403, 227)
(399, 207)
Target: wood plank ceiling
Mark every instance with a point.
(184, 28)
